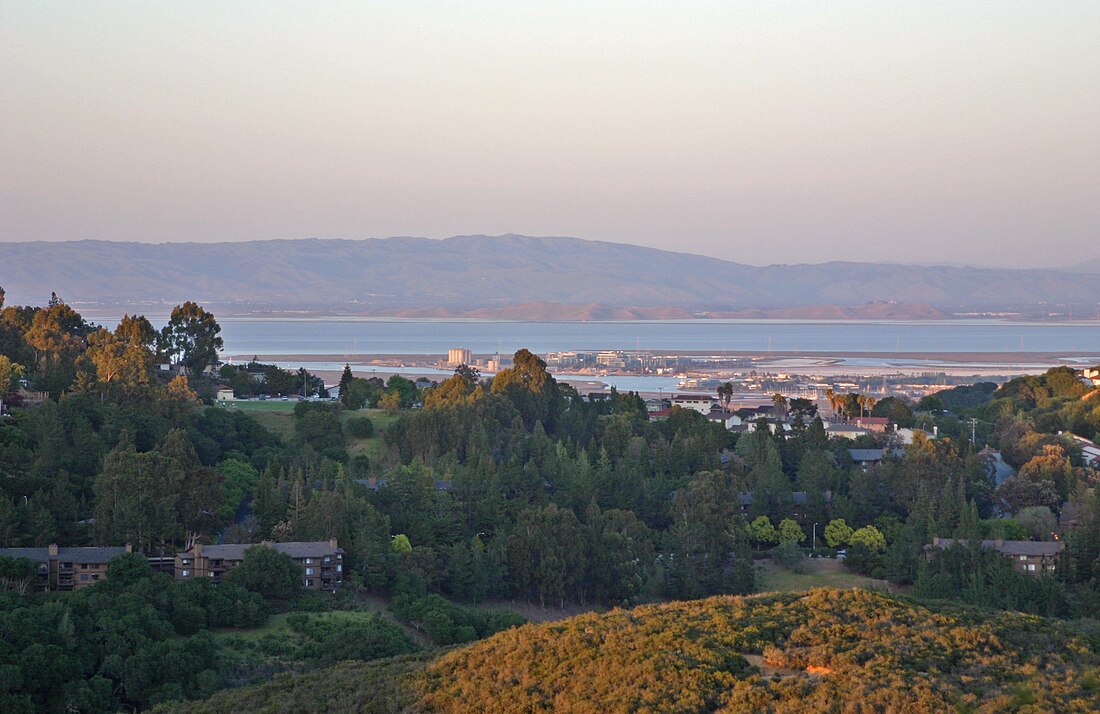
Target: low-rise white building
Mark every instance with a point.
(847, 431)
(726, 419)
(701, 403)
(1090, 452)
(905, 435)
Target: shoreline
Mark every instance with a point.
(826, 366)
(985, 357)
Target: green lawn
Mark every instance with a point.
(278, 416)
(819, 573)
(275, 416)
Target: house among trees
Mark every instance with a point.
(870, 423)
(906, 436)
(322, 561)
(797, 500)
(657, 405)
(728, 420)
(995, 465)
(866, 458)
(1067, 518)
(66, 568)
(1090, 452)
(846, 431)
(26, 398)
(1027, 556)
(701, 403)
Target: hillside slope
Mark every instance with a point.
(467, 273)
(826, 650)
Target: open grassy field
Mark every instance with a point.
(818, 573)
(366, 607)
(374, 447)
(274, 415)
(278, 416)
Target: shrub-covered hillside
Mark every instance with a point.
(826, 650)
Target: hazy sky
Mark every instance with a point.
(759, 131)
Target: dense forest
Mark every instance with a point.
(826, 650)
(514, 488)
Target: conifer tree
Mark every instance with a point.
(345, 386)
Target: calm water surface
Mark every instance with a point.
(337, 336)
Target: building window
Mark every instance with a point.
(1031, 567)
(309, 571)
(339, 568)
(187, 573)
(309, 583)
(327, 559)
(85, 576)
(309, 561)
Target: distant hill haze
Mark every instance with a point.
(512, 277)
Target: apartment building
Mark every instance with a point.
(1027, 556)
(322, 561)
(67, 568)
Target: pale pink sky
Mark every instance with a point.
(756, 131)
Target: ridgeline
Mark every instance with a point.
(511, 277)
(825, 650)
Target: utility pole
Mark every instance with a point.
(815, 536)
(973, 430)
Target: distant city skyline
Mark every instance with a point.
(787, 132)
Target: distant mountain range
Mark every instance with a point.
(1089, 266)
(514, 277)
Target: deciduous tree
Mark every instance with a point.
(191, 337)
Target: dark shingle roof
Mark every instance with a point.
(311, 549)
(89, 555)
(38, 555)
(66, 555)
(295, 549)
(1011, 547)
(872, 454)
(866, 454)
(224, 551)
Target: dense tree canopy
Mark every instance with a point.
(191, 337)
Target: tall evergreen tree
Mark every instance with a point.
(346, 379)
